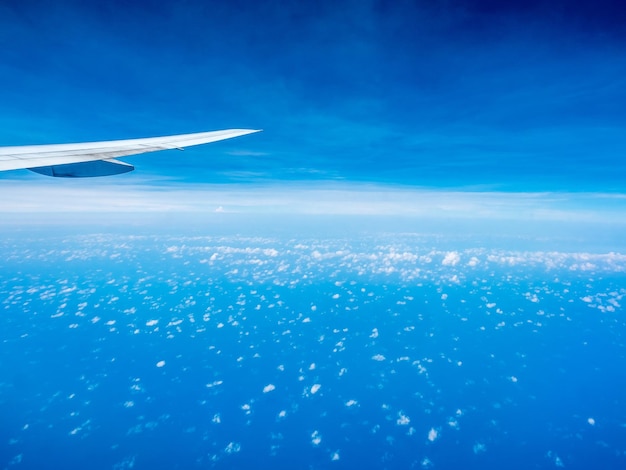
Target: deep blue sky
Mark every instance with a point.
(513, 96)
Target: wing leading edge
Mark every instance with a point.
(97, 158)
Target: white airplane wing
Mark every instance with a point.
(98, 158)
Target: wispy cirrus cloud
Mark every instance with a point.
(323, 198)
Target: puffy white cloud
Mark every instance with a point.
(451, 258)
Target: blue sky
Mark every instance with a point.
(515, 97)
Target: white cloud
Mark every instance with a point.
(403, 420)
(115, 195)
(232, 448)
(452, 258)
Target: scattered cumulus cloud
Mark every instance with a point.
(403, 420)
(451, 259)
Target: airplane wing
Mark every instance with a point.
(98, 158)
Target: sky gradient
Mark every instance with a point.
(483, 96)
(419, 263)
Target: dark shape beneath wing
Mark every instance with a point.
(85, 169)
